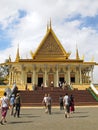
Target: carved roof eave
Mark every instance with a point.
(90, 63)
(57, 61)
(58, 42)
(43, 61)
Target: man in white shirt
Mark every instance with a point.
(66, 104)
(45, 100)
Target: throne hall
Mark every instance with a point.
(50, 63)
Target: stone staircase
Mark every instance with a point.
(34, 98)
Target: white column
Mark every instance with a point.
(85, 77)
(57, 76)
(10, 78)
(22, 75)
(91, 74)
(16, 77)
(34, 72)
(88, 77)
(45, 75)
(69, 75)
(80, 75)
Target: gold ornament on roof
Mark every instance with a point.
(92, 59)
(83, 57)
(77, 54)
(32, 54)
(9, 58)
(17, 55)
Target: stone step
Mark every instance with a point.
(34, 98)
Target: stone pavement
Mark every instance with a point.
(84, 118)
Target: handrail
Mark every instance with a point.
(94, 88)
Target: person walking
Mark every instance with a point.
(4, 102)
(17, 105)
(45, 102)
(49, 103)
(66, 104)
(12, 104)
(61, 102)
(72, 108)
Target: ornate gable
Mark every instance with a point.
(50, 48)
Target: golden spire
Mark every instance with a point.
(77, 54)
(83, 57)
(92, 59)
(17, 55)
(47, 27)
(32, 54)
(9, 58)
(50, 23)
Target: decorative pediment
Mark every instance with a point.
(50, 48)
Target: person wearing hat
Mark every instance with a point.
(17, 105)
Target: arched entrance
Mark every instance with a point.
(40, 79)
(50, 79)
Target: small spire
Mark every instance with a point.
(9, 58)
(17, 55)
(83, 57)
(47, 27)
(92, 59)
(32, 54)
(77, 54)
(50, 23)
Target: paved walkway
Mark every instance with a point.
(84, 118)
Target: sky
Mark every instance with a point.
(24, 23)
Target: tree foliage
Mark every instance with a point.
(4, 72)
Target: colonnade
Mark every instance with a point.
(80, 75)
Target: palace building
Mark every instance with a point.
(50, 63)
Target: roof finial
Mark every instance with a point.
(92, 59)
(77, 54)
(47, 27)
(50, 23)
(82, 57)
(9, 58)
(17, 55)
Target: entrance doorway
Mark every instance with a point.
(50, 79)
(29, 77)
(72, 77)
(40, 81)
(61, 79)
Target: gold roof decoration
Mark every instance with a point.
(32, 54)
(47, 27)
(17, 55)
(82, 57)
(50, 48)
(92, 59)
(9, 58)
(77, 54)
(50, 24)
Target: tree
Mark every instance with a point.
(4, 72)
